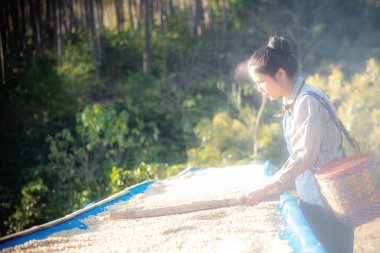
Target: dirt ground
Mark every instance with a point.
(367, 237)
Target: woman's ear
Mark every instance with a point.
(281, 74)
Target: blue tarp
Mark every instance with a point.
(74, 222)
(298, 232)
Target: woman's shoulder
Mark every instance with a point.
(308, 88)
(313, 97)
(309, 92)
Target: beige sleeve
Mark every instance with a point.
(306, 140)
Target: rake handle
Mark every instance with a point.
(178, 209)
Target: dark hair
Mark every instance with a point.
(276, 54)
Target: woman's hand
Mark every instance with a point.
(253, 198)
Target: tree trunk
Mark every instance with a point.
(82, 12)
(119, 15)
(92, 35)
(151, 12)
(75, 10)
(51, 16)
(141, 16)
(98, 35)
(224, 16)
(163, 15)
(90, 21)
(15, 26)
(71, 15)
(137, 14)
(197, 18)
(217, 5)
(58, 28)
(2, 61)
(48, 22)
(207, 15)
(6, 31)
(130, 13)
(99, 8)
(3, 43)
(147, 49)
(40, 36)
(171, 7)
(238, 95)
(35, 24)
(66, 16)
(256, 129)
(21, 6)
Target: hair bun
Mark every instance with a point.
(279, 43)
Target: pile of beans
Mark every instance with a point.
(230, 229)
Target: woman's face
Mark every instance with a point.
(267, 85)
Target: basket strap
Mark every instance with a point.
(335, 118)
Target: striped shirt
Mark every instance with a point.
(313, 140)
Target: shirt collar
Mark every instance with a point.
(295, 91)
(287, 104)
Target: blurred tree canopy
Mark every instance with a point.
(99, 95)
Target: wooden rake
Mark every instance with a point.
(179, 209)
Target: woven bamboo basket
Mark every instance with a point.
(351, 187)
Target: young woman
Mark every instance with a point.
(313, 140)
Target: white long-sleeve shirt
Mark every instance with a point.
(313, 140)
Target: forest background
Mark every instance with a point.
(98, 95)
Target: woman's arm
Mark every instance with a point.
(306, 145)
(267, 190)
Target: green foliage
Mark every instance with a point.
(175, 169)
(32, 207)
(79, 163)
(226, 141)
(223, 141)
(360, 106)
(101, 136)
(122, 178)
(117, 183)
(39, 93)
(121, 56)
(34, 105)
(77, 69)
(271, 143)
